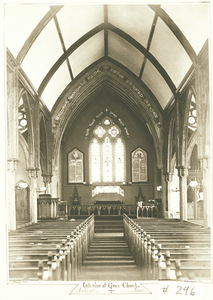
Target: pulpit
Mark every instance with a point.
(47, 206)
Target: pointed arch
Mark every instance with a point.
(106, 152)
(30, 137)
(140, 105)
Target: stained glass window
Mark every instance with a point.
(95, 161)
(75, 166)
(139, 165)
(119, 160)
(22, 118)
(107, 153)
(107, 160)
(113, 131)
(100, 131)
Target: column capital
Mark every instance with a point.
(182, 171)
(32, 173)
(169, 176)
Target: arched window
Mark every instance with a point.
(107, 153)
(192, 119)
(22, 119)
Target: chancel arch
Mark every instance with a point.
(107, 75)
(108, 134)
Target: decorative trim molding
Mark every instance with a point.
(106, 68)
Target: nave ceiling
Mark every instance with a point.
(156, 44)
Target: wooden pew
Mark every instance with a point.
(159, 252)
(28, 248)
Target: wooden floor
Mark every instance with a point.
(109, 258)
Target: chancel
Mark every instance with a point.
(108, 142)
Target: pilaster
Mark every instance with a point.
(207, 191)
(183, 174)
(11, 202)
(163, 193)
(169, 177)
(33, 175)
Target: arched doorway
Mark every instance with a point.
(22, 202)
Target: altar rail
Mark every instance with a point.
(66, 262)
(147, 254)
(147, 211)
(112, 210)
(105, 209)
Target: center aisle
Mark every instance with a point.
(109, 258)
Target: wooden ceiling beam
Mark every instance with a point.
(122, 34)
(149, 43)
(176, 31)
(35, 33)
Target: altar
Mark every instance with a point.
(112, 202)
(108, 194)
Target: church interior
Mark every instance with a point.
(108, 141)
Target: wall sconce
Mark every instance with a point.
(193, 183)
(41, 189)
(159, 188)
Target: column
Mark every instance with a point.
(12, 139)
(32, 174)
(204, 125)
(207, 191)
(195, 196)
(183, 173)
(163, 193)
(11, 199)
(169, 177)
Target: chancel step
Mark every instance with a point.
(107, 256)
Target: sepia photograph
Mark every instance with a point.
(108, 148)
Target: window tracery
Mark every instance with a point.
(107, 152)
(192, 118)
(22, 117)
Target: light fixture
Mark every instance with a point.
(42, 189)
(159, 188)
(193, 183)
